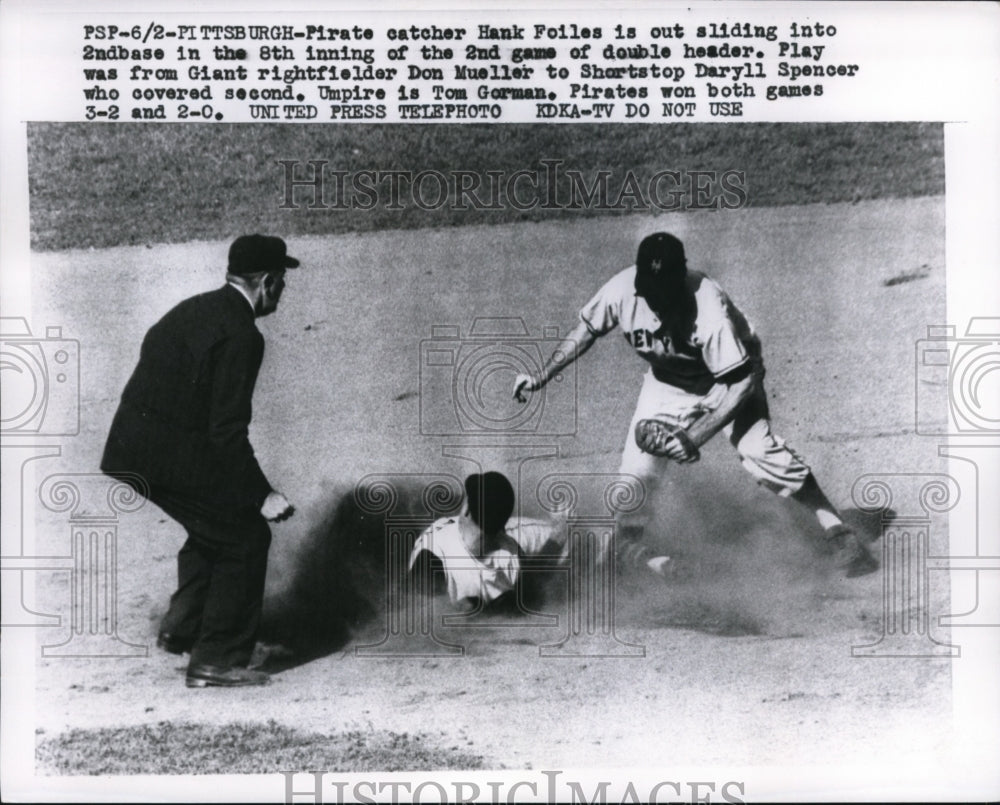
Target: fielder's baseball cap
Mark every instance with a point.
(252, 254)
(659, 251)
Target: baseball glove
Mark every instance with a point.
(659, 439)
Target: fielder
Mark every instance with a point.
(479, 556)
(706, 374)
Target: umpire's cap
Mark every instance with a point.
(660, 251)
(255, 254)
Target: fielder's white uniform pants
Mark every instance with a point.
(765, 456)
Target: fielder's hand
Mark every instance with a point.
(276, 507)
(682, 452)
(523, 383)
(660, 439)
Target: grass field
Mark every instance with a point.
(141, 184)
(242, 748)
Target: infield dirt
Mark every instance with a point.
(749, 663)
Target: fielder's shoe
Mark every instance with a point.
(662, 566)
(173, 644)
(203, 676)
(849, 554)
(631, 555)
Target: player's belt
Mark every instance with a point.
(699, 384)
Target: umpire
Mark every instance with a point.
(182, 425)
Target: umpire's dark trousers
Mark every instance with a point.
(220, 579)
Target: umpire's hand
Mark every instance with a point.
(276, 507)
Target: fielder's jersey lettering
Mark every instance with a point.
(643, 339)
(721, 340)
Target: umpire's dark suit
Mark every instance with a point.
(182, 425)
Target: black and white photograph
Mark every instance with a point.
(425, 406)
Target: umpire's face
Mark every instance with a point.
(272, 284)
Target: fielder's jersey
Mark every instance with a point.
(490, 576)
(722, 339)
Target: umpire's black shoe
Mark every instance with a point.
(850, 555)
(173, 644)
(204, 676)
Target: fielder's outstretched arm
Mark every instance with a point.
(568, 350)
